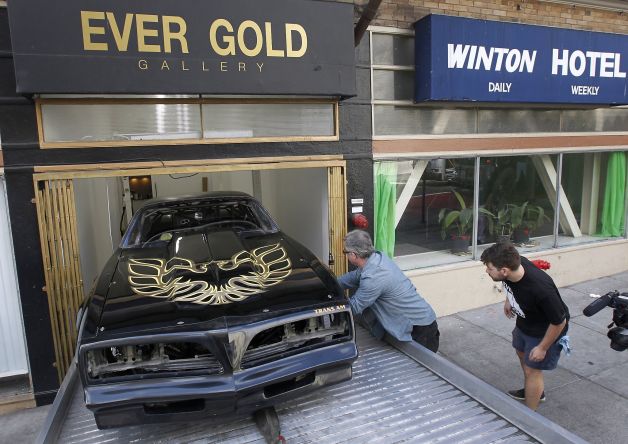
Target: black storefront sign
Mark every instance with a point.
(183, 47)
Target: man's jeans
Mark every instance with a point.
(427, 335)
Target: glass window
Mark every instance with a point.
(390, 120)
(84, 122)
(594, 208)
(167, 221)
(233, 120)
(393, 85)
(518, 121)
(424, 212)
(603, 119)
(517, 201)
(389, 49)
(99, 122)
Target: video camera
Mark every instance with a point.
(619, 303)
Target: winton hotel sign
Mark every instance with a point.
(460, 59)
(183, 46)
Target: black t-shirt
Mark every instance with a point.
(536, 301)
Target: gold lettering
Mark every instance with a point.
(142, 64)
(170, 35)
(142, 32)
(290, 51)
(258, 36)
(164, 65)
(122, 40)
(223, 66)
(259, 66)
(89, 30)
(270, 52)
(241, 66)
(183, 68)
(228, 39)
(203, 67)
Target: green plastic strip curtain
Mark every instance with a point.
(385, 201)
(613, 211)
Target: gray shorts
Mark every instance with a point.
(524, 343)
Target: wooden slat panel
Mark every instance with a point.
(76, 264)
(57, 226)
(59, 271)
(44, 241)
(52, 284)
(337, 217)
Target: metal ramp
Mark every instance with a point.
(391, 399)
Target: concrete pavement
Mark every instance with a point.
(586, 394)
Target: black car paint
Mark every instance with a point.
(112, 314)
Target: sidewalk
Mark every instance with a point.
(587, 394)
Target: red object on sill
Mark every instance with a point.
(463, 237)
(540, 263)
(360, 221)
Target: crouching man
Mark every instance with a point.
(384, 296)
(542, 316)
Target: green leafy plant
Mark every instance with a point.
(527, 216)
(502, 219)
(459, 222)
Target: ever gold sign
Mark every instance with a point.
(162, 31)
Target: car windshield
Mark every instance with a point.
(156, 223)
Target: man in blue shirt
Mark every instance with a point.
(384, 296)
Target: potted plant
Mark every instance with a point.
(459, 224)
(524, 219)
(504, 227)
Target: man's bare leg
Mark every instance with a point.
(534, 386)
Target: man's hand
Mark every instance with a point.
(537, 354)
(508, 310)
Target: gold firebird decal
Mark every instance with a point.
(155, 277)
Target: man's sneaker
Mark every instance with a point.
(521, 396)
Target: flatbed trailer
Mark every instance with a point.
(400, 392)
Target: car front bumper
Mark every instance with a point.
(189, 398)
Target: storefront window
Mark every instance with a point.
(392, 85)
(424, 210)
(603, 119)
(99, 122)
(227, 120)
(500, 121)
(518, 197)
(393, 49)
(594, 185)
(87, 121)
(399, 120)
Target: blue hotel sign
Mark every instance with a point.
(460, 59)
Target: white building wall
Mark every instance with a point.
(12, 343)
(98, 211)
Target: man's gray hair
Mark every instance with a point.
(359, 242)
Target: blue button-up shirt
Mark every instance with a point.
(383, 287)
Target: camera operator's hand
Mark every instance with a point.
(537, 354)
(508, 310)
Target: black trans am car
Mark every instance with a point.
(208, 308)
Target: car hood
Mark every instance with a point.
(200, 278)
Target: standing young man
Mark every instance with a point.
(542, 316)
(384, 296)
